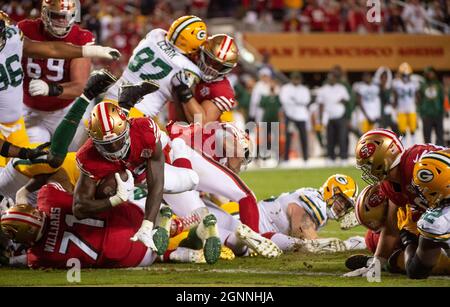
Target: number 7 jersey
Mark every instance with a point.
(154, 59)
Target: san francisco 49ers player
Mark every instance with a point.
(12, 45)
(56, 235)
(214, 95)
(382, 158)
(51, 85)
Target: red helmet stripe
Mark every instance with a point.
(104, 118)
(21, 220)
(226, 45)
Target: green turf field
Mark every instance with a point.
(291, 269)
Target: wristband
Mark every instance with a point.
(5, 149)
(54, 89)
(23, 153)
(115, 200)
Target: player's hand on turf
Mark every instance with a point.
(95, 51)
(41, 88)
(33, 153)
(182, 86)
(145, 235)
(99, 81)
(368, 271)
(124, 190)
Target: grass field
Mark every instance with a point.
(291, 269)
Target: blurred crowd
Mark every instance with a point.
(319, 114)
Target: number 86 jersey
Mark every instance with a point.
(155, 59)
(100, 242)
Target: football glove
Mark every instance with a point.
(130, 94)
(124, 190)
(152, 237)
(182, 86)
(41, 88)
(95, 51)
(368, 271)
(33, 153)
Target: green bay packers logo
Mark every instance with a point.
(425, 175)
(341, 180)
(201, 35)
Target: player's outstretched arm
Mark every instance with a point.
(9, 150)
(155, 183)
(302, 226)
(60, 50)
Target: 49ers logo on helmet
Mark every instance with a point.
(367, 150)
(122, 114)
(376, 198)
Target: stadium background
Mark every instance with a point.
(311, 37)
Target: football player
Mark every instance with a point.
(405, 91)
(368, 100)
(382, 158)
(54, 235)
(12, 45)
(159, 57)
(51, 84)
(214, 95)
(292, 220)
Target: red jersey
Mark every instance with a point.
(144, 135)
(49, 70)
(220, 92)
(202, 139)
(404, 193)
(103, 241)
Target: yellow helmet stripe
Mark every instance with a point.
(438, 156)
(173, 38)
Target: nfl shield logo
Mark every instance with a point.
(204, 91)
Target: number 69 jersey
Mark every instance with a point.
(154, 59)
(103, 241)
(49, 70)
(11, 75)
(434, 225)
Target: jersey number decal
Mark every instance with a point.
(431, 215)
(147, 55)
(53, 65)
(10, 75)
(68, 236)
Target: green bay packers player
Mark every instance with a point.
(13, 45)
(432, 180)
(293, 220)
(159, 57)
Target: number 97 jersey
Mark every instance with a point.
(155, 59)
(11, 75)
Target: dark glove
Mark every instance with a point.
(181, 87)
(131, 94)
(32, 153)
(99, 81)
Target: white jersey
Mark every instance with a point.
(370, 100)
(11, 76)
(154, 59)
(406, 95)
(273, 212)
(434, 224)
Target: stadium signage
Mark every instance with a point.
(354, 52)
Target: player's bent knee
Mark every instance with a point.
(415, 269)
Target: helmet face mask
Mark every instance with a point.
(115, 149)
(59, 16)
(211, 68)
(339, 205)
(339, 193)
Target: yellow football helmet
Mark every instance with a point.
(23, 224)
(59, 16)
(219, 54)
(371, 207)
(431, 177)
(405, 69)
(377, 152)
(187, 33)
(339, 192)
(110, 131)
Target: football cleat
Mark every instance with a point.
(258, 243)
(356, 262)
(355, 243)
(130, 94)
(183, 254)
(208, 231)
(188, 222)
(226, 253)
